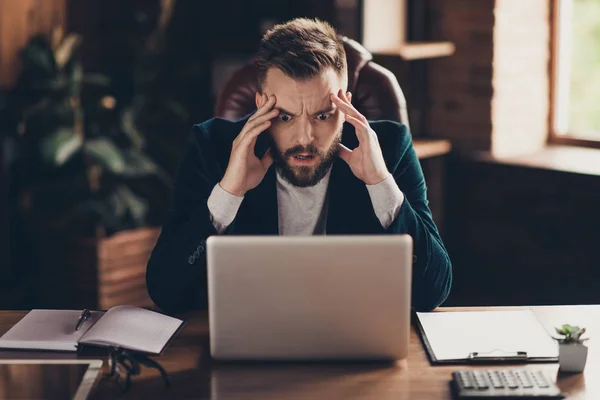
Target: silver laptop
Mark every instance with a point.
(309, 298)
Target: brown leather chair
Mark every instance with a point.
(376, 92)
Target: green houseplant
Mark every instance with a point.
(81, 175)
(81, 161)
(572, 354)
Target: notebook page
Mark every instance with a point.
(454, 335)
(48, 330)
(133, 328)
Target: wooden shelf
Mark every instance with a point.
(570, 159)
(384, 31)
(421, 51)
(427, 148)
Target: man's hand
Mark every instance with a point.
(245, 171)
(366, 161)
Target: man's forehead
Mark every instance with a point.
(294, 93)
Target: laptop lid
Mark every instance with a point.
(309, 298)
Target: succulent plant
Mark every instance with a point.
(570, 334)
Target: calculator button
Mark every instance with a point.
(480, 380)
(525, 379)
(540, 379)
(496, 379)
(465, 379)
(510, 379)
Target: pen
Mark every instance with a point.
(85, 315)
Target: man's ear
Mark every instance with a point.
(258, 99)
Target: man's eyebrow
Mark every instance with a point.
(322, 111)
(284, 111)
(325, 110)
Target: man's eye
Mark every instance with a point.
(323, 117)
(284, 117)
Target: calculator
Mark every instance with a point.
(521, 383)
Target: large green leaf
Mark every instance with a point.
(106, 154)
(57, 148)
(67, 50)
(120, 162)
(130, 129)
(38, 58)
(133, 206)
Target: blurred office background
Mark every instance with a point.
(97, 98)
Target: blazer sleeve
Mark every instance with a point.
(432, 269)
(176, 271)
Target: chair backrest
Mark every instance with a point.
(376, 92)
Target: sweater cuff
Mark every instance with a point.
(223, 207)
(387, 199)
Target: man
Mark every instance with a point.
(306, 162)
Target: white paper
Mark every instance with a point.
(454, 335)
(133, 328)
(48, 330)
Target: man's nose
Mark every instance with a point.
(304, 135)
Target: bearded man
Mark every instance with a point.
(306, 162)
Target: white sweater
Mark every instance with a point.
(303, 210)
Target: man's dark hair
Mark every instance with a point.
(301, 48)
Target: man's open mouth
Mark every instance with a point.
(304, 157)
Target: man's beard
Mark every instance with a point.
(305, 176)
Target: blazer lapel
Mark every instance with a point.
(338, 194)
(263, 203)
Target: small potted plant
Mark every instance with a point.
(572, 353)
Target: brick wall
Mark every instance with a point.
(492, 94)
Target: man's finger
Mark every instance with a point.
(250, 134)
(260, 119)
(347, 97)
(345, 107)
(362, 130)
(344, 153)
(266, 107)
(267, 159)
(255, 131)
(257, 121)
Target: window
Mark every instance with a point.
(576, 72)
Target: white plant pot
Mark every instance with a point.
(572, 357)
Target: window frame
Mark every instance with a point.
(559, 15)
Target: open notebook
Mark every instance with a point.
(127, 327)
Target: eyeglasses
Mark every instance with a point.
(124, 363)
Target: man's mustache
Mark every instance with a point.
(296, 150)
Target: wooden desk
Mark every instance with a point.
(194, 376)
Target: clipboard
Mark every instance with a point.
(485, 337)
